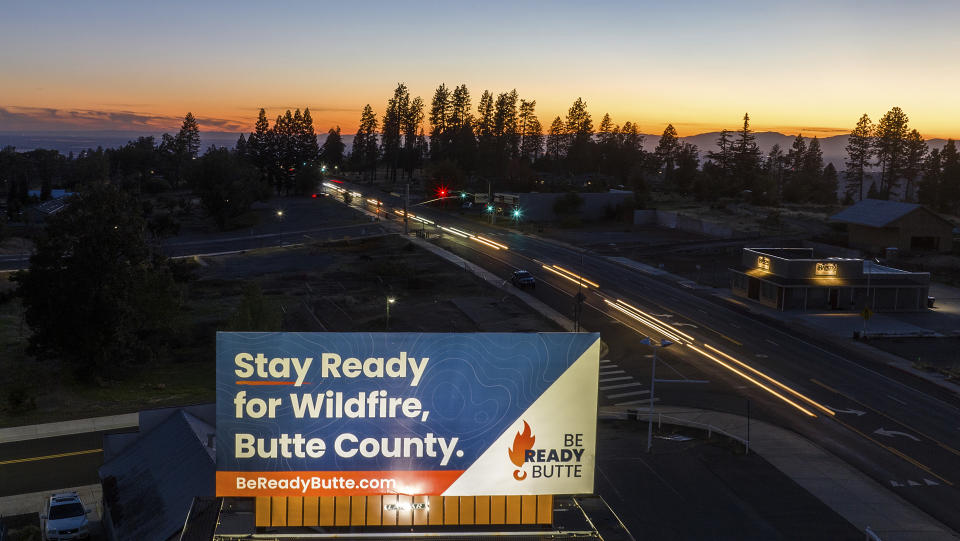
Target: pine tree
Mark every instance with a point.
(579, 132)
(307, 139)
(332, 151)
(259, 144)
(794, 185)
(555, 140)
(463, 143)
(829, 184)
(950, 183)
(440, 112)
(241, 147)
(811, 170)
(859, 151)
(365, 146)
(890, 150)
(411, 121)
(774, 168)
(746, 157)
(928, 192)
(506, 126)
(665, 155)
(188, 138)
(914, 154)
(718, 171)
(531, 133)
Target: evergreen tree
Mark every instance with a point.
(810, 178)
(365, 145)
(440, 112)
(859, 151)
(411, 121)
(463, 142)
(915, 152)
(260, 144)
(890, 150)
(241, 146)
(718, 171)
(531, 133)
(307, 146)
(950, 183)
(392, 129)
(506, 126)
(774, 170)
(929, 186)
(794, 186)
(483, 130)
(688, 167)
(665, 156)
(555, 140)
(829, 184)
(579, 132)
(188, 138)
(332, 151)
(746, 157)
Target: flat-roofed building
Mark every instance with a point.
(793, 279)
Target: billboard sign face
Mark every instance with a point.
(338, 414)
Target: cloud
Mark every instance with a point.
(14, 118)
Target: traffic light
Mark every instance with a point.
(463, 195)
(489, 208)
(516, 213)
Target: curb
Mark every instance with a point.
(65, 428)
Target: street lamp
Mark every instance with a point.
(390, 300)
(279, 214)
(653, 379)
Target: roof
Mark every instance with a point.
(158, 476)
(876, 212)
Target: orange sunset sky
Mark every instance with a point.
(813, 67)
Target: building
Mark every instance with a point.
(874, 225)
(150, 478)
(792, 279)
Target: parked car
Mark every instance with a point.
(64, 518)
(522, 279)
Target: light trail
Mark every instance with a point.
(461, 232)
(558, 273)
(752, 380)
(484, 239)
(374, 202)
(646, 322)
(799, 395)
(481, 241)
(464, 235)
(422, 220)
(575, 275)
(667, 325)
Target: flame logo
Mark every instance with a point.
(522, 442)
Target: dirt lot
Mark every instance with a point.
(341, 287)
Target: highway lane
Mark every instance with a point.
(905, 437)
(51, 463)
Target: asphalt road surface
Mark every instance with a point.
(901, 430)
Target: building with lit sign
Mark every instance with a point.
(793, 279)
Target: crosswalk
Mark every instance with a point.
(622, 389)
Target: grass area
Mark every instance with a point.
(335, 287)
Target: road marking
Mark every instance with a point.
(858, 413)
(620, 386)
(935, 440)
(772, 342)
(930, 482)
(895, 399)
(604, 361)
(894, 433)
(896, 484)
(913, 483)
(621, 378)
(632, 393)
(48, 457)
(635, 402)
(612, 372)
(761, 356)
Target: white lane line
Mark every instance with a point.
(620, 386)
(895, 399)
(624, 395)
(612, 372)
(604, 361)
(608, 380)
(772, 342)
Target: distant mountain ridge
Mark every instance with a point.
(76, 141)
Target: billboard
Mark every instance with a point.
(351, 414)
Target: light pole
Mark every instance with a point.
(390, 300)
(653, 379)
(866, 303)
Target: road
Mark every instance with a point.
(901, 430)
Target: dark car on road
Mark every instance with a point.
(522, 279)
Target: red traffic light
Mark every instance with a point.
(314, 196)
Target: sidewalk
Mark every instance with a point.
(64, 428)
(854, 496)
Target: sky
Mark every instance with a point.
(812, 67)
